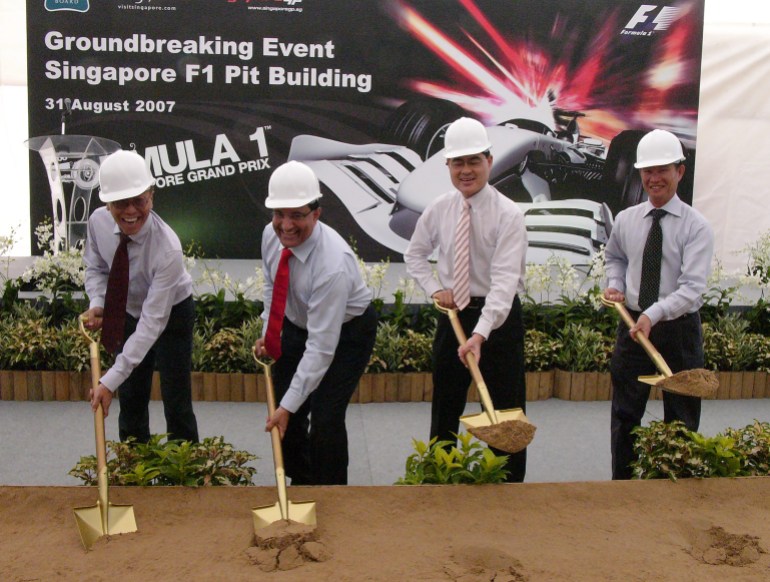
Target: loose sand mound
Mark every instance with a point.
(710, 530)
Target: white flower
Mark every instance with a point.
(58, 269)
(373, 274)
(538, 280)
(6, 244)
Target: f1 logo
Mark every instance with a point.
(662, 21)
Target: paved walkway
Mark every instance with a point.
(42, 441)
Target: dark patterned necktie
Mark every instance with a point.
(278, 306)
(649, 286)
(113, 325)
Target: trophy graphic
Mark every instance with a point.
(72, 161)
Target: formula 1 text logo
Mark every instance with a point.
(650, 18)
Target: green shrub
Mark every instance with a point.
(407, 316)
(175, 462)
(400, 351)
(753, 443)
(729, 345)
(72, 353)
(670, 450)
(584, 349)
(540, 351)
(27, 341)
(226, 313)
(225, 350)
(442, 462)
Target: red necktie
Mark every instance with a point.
(113, 326)
(278, 306)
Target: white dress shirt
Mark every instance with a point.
(498, 251)
(157, 281)
(325, 290)
(688, 245)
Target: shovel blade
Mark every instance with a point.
(481, 419)
(120, 520)
(301, 512)
(652, 380)
(512, 433)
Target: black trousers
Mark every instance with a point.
(680, 342)
(501, 365)
(315, 445)
(172, 354)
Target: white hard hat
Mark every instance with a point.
(658, 148)
(123, 174)
(465, 137)
(292, 185)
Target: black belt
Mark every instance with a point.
(476, 303)
(686, 316)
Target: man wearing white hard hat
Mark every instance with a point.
(153, 324)
(658, 259)
(325, 336)
(485, 290)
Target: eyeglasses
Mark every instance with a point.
(138, 202)
(472, 161)
(293, 216)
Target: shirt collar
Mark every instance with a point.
(479, 197)
(143, 233)
(673, 206)
(302, 251)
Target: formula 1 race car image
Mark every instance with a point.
(569, 186)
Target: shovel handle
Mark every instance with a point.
(654, 354)
(101, 440)
(267, 365)
(486, 399)
(275, 437)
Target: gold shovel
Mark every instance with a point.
(301, 512)
(699, 382)
(508, 430)
(104, 518)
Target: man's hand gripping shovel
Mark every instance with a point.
(507, 430)
(283, 510)
(104, 518)
(698, 382)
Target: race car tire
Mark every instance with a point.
(685, 188)
(419, 125)
(622, 185)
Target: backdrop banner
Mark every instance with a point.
(215, 94)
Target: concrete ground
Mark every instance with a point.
(42, 441)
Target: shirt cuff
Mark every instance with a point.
(432, 289)
(654, 312)
(483, 328)
(291, 401)
(111, 380)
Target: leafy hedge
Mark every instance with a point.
(176, 462)
(566, 326)
(32, 339)
(444, 463)
(670, 450)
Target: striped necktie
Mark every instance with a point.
(462, 284)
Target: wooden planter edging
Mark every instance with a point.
(25, 385)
